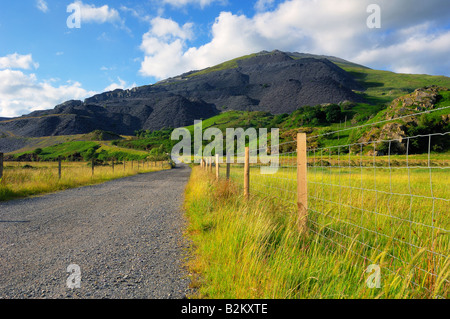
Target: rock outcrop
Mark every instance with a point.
(420, 100)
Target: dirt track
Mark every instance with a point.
(125, 235)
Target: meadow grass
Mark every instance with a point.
(253, 249)
(23, 179)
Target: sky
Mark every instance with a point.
(52, 51)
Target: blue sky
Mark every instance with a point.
(126, 43)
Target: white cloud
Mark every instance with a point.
(163, 46)
(418, 53)
(92, 14)
(263, 5)
(42, 5)
(121, 85)
(22, 93)
(412, 37)
(167, 28)
(18, 61)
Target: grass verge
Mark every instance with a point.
(252, 250)
(22, 179)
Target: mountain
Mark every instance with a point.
(276, 82)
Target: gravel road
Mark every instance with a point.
(125, 235)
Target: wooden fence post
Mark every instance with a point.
(93, 165)
(1, 165)
(124, 165)
(113, 165)
(247, 173)
(217, 166)
(302, 182)
(59, 167)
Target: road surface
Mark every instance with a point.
(126, 237)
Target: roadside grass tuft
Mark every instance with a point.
(20, 182)
(253, 250)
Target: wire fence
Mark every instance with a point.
(59, 168)
(393, 205)
(379, 199)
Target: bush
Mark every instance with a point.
(90, 153)
(333, 113)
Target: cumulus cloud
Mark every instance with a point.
(18, 61)
(21, 93)
(418, 53)
(163, 46)
(412, 37)
(120, 85)
(92, 14)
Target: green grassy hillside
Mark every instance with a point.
(100, 145)
(383, 87)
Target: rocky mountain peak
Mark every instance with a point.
(267, 81)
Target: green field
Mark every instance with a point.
(85, 150)
(24, 179)
(357, 217)
(383, 86)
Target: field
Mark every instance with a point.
(23, 179)
(362, 212)
(385, 86)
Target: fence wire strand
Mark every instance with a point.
(370, 202)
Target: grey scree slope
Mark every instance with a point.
(126, 236)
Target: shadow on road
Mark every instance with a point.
(15, 221)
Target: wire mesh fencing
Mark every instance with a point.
(385, 200)
(396, 205)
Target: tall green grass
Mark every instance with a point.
(252, 249)
(21, 179)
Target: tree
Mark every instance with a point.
(90, 154)
(333, 113)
